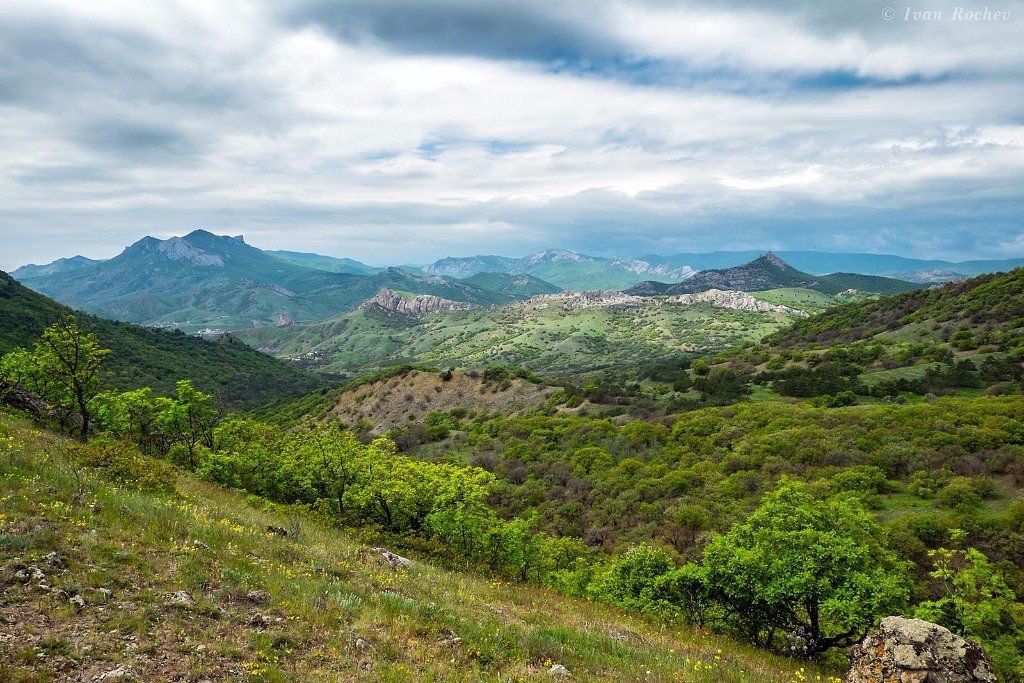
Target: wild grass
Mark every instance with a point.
(336, 611)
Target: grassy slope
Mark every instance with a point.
(993, 302)
(335, 611)
(238, 375)
(548, 340)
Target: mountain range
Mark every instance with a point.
(771, 272)
(566, 269)
(216, 282)
(206, 282)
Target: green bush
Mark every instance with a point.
(122, 463)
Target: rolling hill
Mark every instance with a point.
(552, 334)
(520, 286)
(565, 269)
(329, 263)
(239, 376)
(768, 271)
(204, 280)
(821, 262)
(986, 306)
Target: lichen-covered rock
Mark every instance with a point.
(916, 651)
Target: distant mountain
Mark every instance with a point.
(61, 265)
(209, 282)
(929, 275)
(566, 270)
(329, 263)
(821, 262)
(239, 376)
(520, 286)
(768, 271)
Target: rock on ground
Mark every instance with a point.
(916, 651)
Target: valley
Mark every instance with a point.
(627, 455)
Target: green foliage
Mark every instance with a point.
(120, 461)
(187, 420)
(631, 580)
(816, 570)
(973, 599)
(239, 376)
(63, 369)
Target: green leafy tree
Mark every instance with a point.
(975, 601)
(128, 415)
(63, 369)
(332, 453)
(188, 419)
(818, 571)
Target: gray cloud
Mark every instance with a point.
(505, 29)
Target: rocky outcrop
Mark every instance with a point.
(738, 301)
(391, 302)
(916, 651)
(572, 301)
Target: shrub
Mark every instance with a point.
(121, 462)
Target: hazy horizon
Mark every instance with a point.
(513, 254)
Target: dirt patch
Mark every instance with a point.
(407, 399)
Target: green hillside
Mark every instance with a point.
(961, 338)
(520, 286)
(315, 605)
(240, 376)
(544, 338)
(989, 306)
(329, 263)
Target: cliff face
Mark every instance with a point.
(391, 302)
(739, 301)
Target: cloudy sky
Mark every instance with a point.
(399, 131)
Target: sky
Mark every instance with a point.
(402, 131)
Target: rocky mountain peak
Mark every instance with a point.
(391, 302)
(770, 259)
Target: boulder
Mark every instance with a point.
(916, 651)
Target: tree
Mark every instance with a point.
(974, 600)
(127, 415)
(63, 369)
(818, 570)
(332, 451)
(188, 419)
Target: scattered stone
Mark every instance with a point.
(35, 573)
(199, 545)
(559, 671)
(181, 599)
(258, 597)
(78, 602)
(280, 531)
(362, 645)
(917, 651)
(119, 674)
(262, 620)
(396, 561)
(54, 559)
(449, 642)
